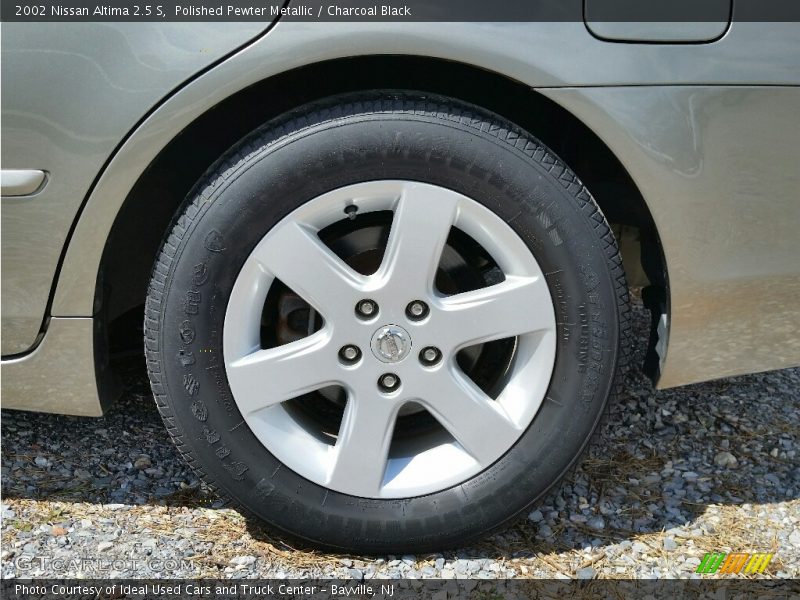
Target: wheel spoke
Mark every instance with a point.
(514, 307)
(476, 421)
(363, 445)
(421, 224)
(268, 377)
(295, 255)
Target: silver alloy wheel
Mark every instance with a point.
(481, 429)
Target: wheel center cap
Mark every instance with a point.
(391, 343)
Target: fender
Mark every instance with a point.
(643, 141)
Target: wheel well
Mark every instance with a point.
(131, 248)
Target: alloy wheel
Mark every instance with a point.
(385, 347)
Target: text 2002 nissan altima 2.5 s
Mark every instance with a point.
(383, 267)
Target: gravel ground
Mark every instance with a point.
(710, 467)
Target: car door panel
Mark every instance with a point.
(71, 94)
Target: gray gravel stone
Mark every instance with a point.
(355, 574)
(725, 459)
(596, 523)
(143, 462)
(535, 516)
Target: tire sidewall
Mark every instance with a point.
(520, 181)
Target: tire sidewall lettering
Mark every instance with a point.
(542, 210)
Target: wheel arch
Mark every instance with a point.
(130, 248)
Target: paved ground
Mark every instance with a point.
(712, 467)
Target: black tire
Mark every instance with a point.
(344, 140)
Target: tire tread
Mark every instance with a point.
(370, 105)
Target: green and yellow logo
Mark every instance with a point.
(736, 562)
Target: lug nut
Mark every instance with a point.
(366, 309)
(417, 310)
(430, 356)
(349, 354)
(388, 382)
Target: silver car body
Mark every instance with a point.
(708, 132)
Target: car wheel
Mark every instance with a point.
(386, 322)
